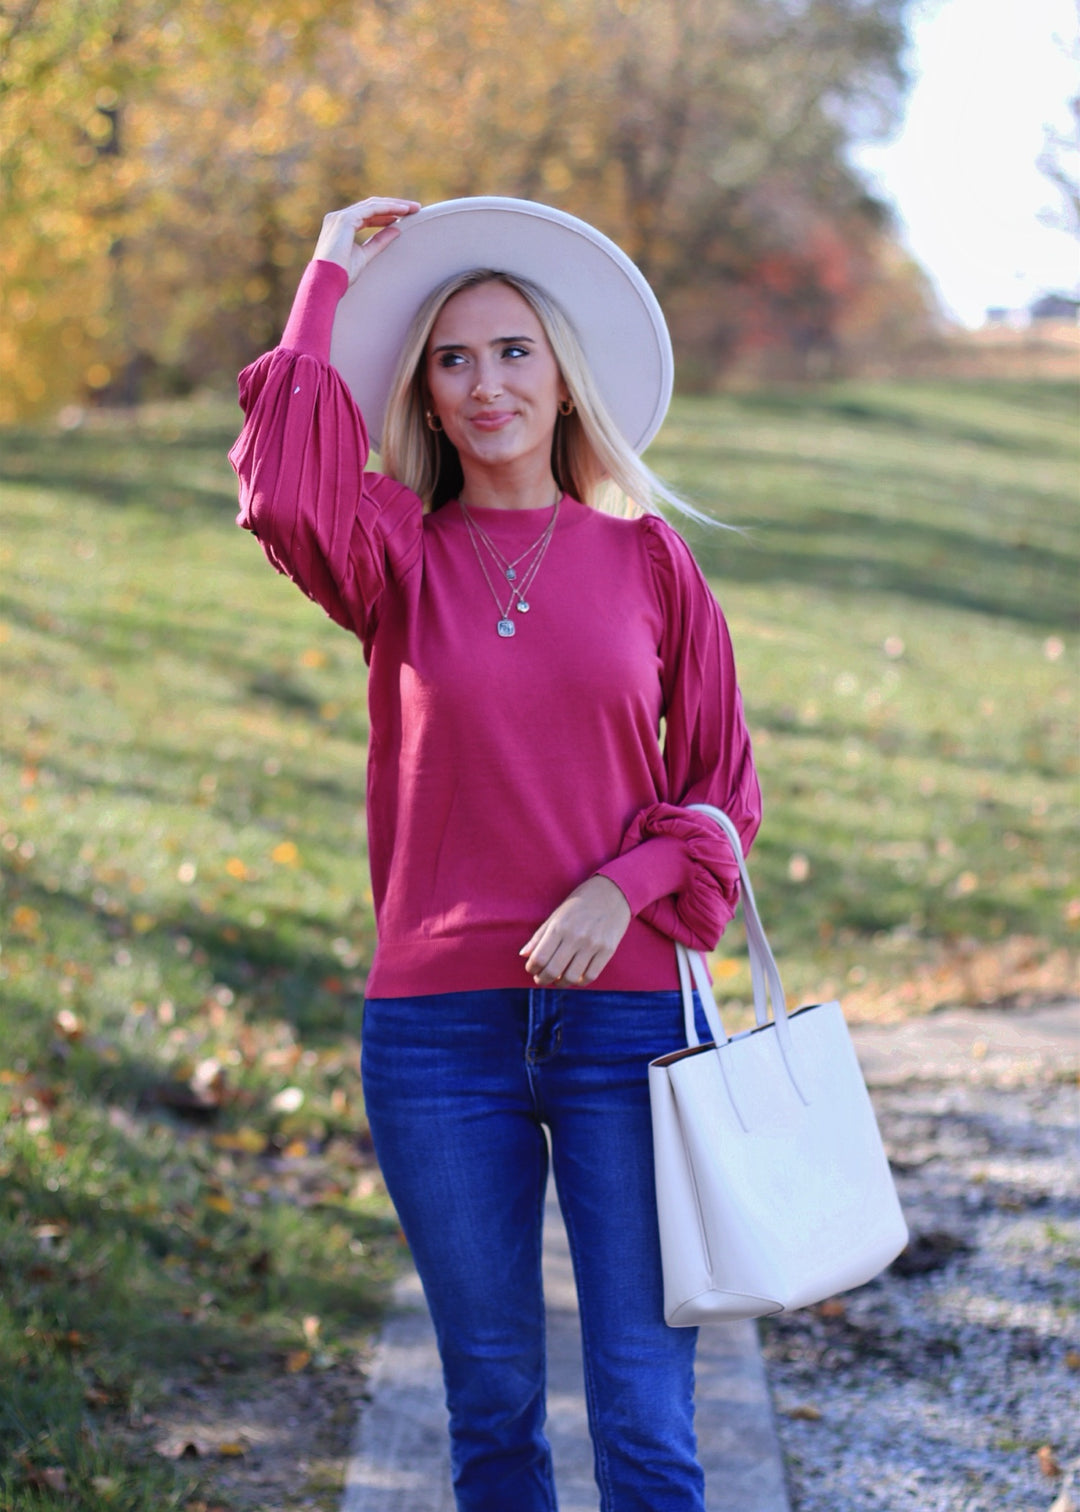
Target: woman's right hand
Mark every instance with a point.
(337, 241)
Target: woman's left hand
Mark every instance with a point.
(575, 943)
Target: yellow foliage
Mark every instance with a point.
(164, 175)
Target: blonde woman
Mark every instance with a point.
(550, 683)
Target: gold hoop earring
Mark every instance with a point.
(433, 421)
(566, 407)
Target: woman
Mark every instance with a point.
(549, 685)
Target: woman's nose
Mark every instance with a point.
(486, 388)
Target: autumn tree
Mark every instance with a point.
(164, 169)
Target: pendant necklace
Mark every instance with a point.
(518, 599)
(508, 569)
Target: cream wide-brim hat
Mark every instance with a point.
(616, 315)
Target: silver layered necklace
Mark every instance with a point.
(520, 576)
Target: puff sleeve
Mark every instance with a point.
(676, 868)
(339, 533)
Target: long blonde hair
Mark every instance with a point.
(590, 458)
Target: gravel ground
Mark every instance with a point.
(952, 1383)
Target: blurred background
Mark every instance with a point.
(861, 218)
(165, 168)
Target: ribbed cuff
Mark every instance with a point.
(311, 320)
(654, 869)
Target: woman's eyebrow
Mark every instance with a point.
(458, 346)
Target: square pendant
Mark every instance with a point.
(505, 628)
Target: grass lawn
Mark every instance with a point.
(186, 1211)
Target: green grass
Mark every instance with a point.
(183, 843)
(904, 606)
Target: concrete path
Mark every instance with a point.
(962, 1044)
(400, 1461)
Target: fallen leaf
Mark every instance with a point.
(242, 1141)
(208, 1079)
(833, 1308)
(219, 1203)
(297, 1360)
(1047, 1462)
(47, 1234)
(798, 868)
(1072, 1359)
(182, 1446)
(805, 1414)
(204, 1092)
(44, 1478)
(929, 1252)
(26, 921)
(288, 1100)
(232, 1450)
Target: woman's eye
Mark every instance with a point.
(450, 359)
(515, 351)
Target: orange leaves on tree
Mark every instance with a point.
(672, 128)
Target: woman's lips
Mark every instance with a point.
(491, 420)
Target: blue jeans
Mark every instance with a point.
(458, 1087)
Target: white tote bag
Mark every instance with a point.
(772, 1186)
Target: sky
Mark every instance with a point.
(961, 172)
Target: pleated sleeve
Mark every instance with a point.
(676, 868)
(338, 532)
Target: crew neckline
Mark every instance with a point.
(508, 512)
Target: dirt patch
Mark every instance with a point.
(262, 1445)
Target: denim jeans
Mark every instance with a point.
(459, 1087)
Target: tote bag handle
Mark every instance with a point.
(764, 972)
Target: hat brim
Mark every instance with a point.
(616, 315)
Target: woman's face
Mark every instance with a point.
(492, 379)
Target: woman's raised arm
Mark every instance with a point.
(335, 530)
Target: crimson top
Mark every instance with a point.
(504, 772)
